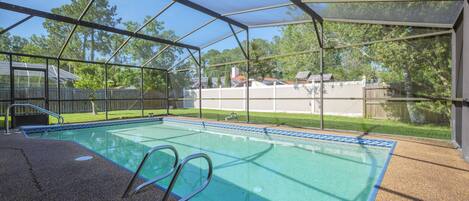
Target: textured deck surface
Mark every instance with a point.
(32, 169)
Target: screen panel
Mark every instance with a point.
(442, 12)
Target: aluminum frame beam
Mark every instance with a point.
(245, 52)
(305, 8)
(139, 29)
(358, 21)
(77, 60)
(15, 24)
(88, 6)
(341, 20)
(364, 1)
(211, 13)
(465, 84)
(197, 61)
(179, 39)
(205, 46)
(316, 18)
(60, 18)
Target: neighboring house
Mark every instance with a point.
(269, 81)
(64, 75)
(317, 78)
(238, 81)
(214, 81)
(304, 77)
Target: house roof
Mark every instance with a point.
(64, 75)
(302, 75)
(317, 78)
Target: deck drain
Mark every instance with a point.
(84, 158)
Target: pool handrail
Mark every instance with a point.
(178, 171)
(158, 178)
(60, 119)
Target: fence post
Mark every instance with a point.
(167, 92)
(219, 98)
(106, 103)
(141, 93)
(59, 95)
(200, 85)
(364, 102)
(275, 97)
(244, 97)
(313, 97)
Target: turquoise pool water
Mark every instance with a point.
(247, 166)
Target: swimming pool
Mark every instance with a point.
(251, 164)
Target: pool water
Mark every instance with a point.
(247, 166)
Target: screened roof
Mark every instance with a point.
(195, 24)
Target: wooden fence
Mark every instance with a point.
(79, 101)
(396, 110)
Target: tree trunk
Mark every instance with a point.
(85, 39)
(93, 108)
(414, 115)
(92, 46)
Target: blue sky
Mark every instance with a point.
(178, 18)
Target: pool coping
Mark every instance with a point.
(391, 144)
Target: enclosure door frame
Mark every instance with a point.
(44, 71)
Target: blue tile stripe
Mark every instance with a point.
(344, 139)
(374, 191)
(50, 128)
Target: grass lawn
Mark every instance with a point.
(330, 122)
(294, 120)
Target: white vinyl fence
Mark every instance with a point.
(346, 98)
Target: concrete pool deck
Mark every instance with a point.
(420, 168)
(34, 169)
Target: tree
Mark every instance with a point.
(296, 39)
(90, 80)
(423, 69)
(261, 68)
(12, 43)
(227, 79)
(420, 67)
(85, 43)
(209, 82)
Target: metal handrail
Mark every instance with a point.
(178, 171)
(60, 119)
(151, 151)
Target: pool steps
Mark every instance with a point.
(176, 169)
(152, 181)
(179, 170)
(60, 119)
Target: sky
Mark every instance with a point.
(177, 18)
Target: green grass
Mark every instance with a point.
(294, 120)
(330, 122)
